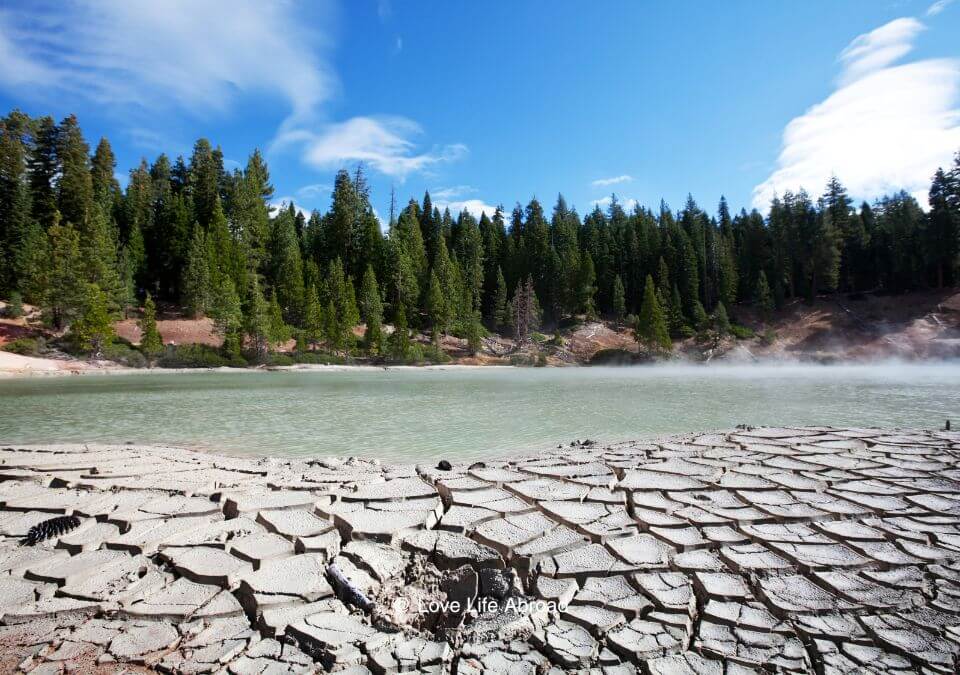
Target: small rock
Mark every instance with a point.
(496, 583)
(444, 465)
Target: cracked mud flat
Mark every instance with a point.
(790, 550)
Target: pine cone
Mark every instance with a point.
(53, 527)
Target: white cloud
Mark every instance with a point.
(879, 48)
(449, 193)
(886, 127)
(148, 54)
(938, 7)
(134, 57)
(313, 190)
(605, 182)
(380, 142)
(627, 204)
(475, 207)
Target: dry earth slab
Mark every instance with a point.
(751, 550)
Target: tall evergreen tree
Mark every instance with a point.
(619, 300)
(151, 343)
(93, 328)
(651, 329)
(371, 311)
(500, 317)
(66, 288)
(313, 324)
(196, 277)
(257, 320)
(764, 298)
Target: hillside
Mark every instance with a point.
(912, 326)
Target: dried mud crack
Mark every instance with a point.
(815, 550)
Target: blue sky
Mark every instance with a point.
(486, 103)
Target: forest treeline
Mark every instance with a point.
(189, 232)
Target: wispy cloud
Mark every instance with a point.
(197, 56)
(314, 190)
(616, 180)
(885, 127)
(383, 143)
(137, 56)
(938, 7)
(452, 192)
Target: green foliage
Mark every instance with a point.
(25, 346)
(741, 332)
(279, 331)
(196, 276)
(651, 327)
(198, 356)
(124, 354)
(93, 329)
(400, 339)
(619, 300)
(764, 298)
(185, 227)
(313, 328)
(500, 317)
(257, 325)
(15, 305)
(150, 342)
(65, 292)
(371, 311)
(474, 333)
(721, 321)
(436, 307)
(227, 315)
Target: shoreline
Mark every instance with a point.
(587, 556)
(40, 368)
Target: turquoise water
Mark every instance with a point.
(415, 414)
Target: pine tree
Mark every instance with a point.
(313, 317)
(106, 189)
(400, 339)
(227, 315)
(701, 321)
(474, 333)
(286, 266)
(33, 263)
(279, 330)
(721, 322)
(151, 343)
(74, 186)
(619, 300)
(586, 287)
(500, 314)
(675, 320)
(371, 311)
(651, 329)
(943, 232)
(93, 329)
(764, 298)
(435, 307)
(66, 290)
(257, 321)
(196, 276)
(42, 168)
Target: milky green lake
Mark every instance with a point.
(417, 414)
